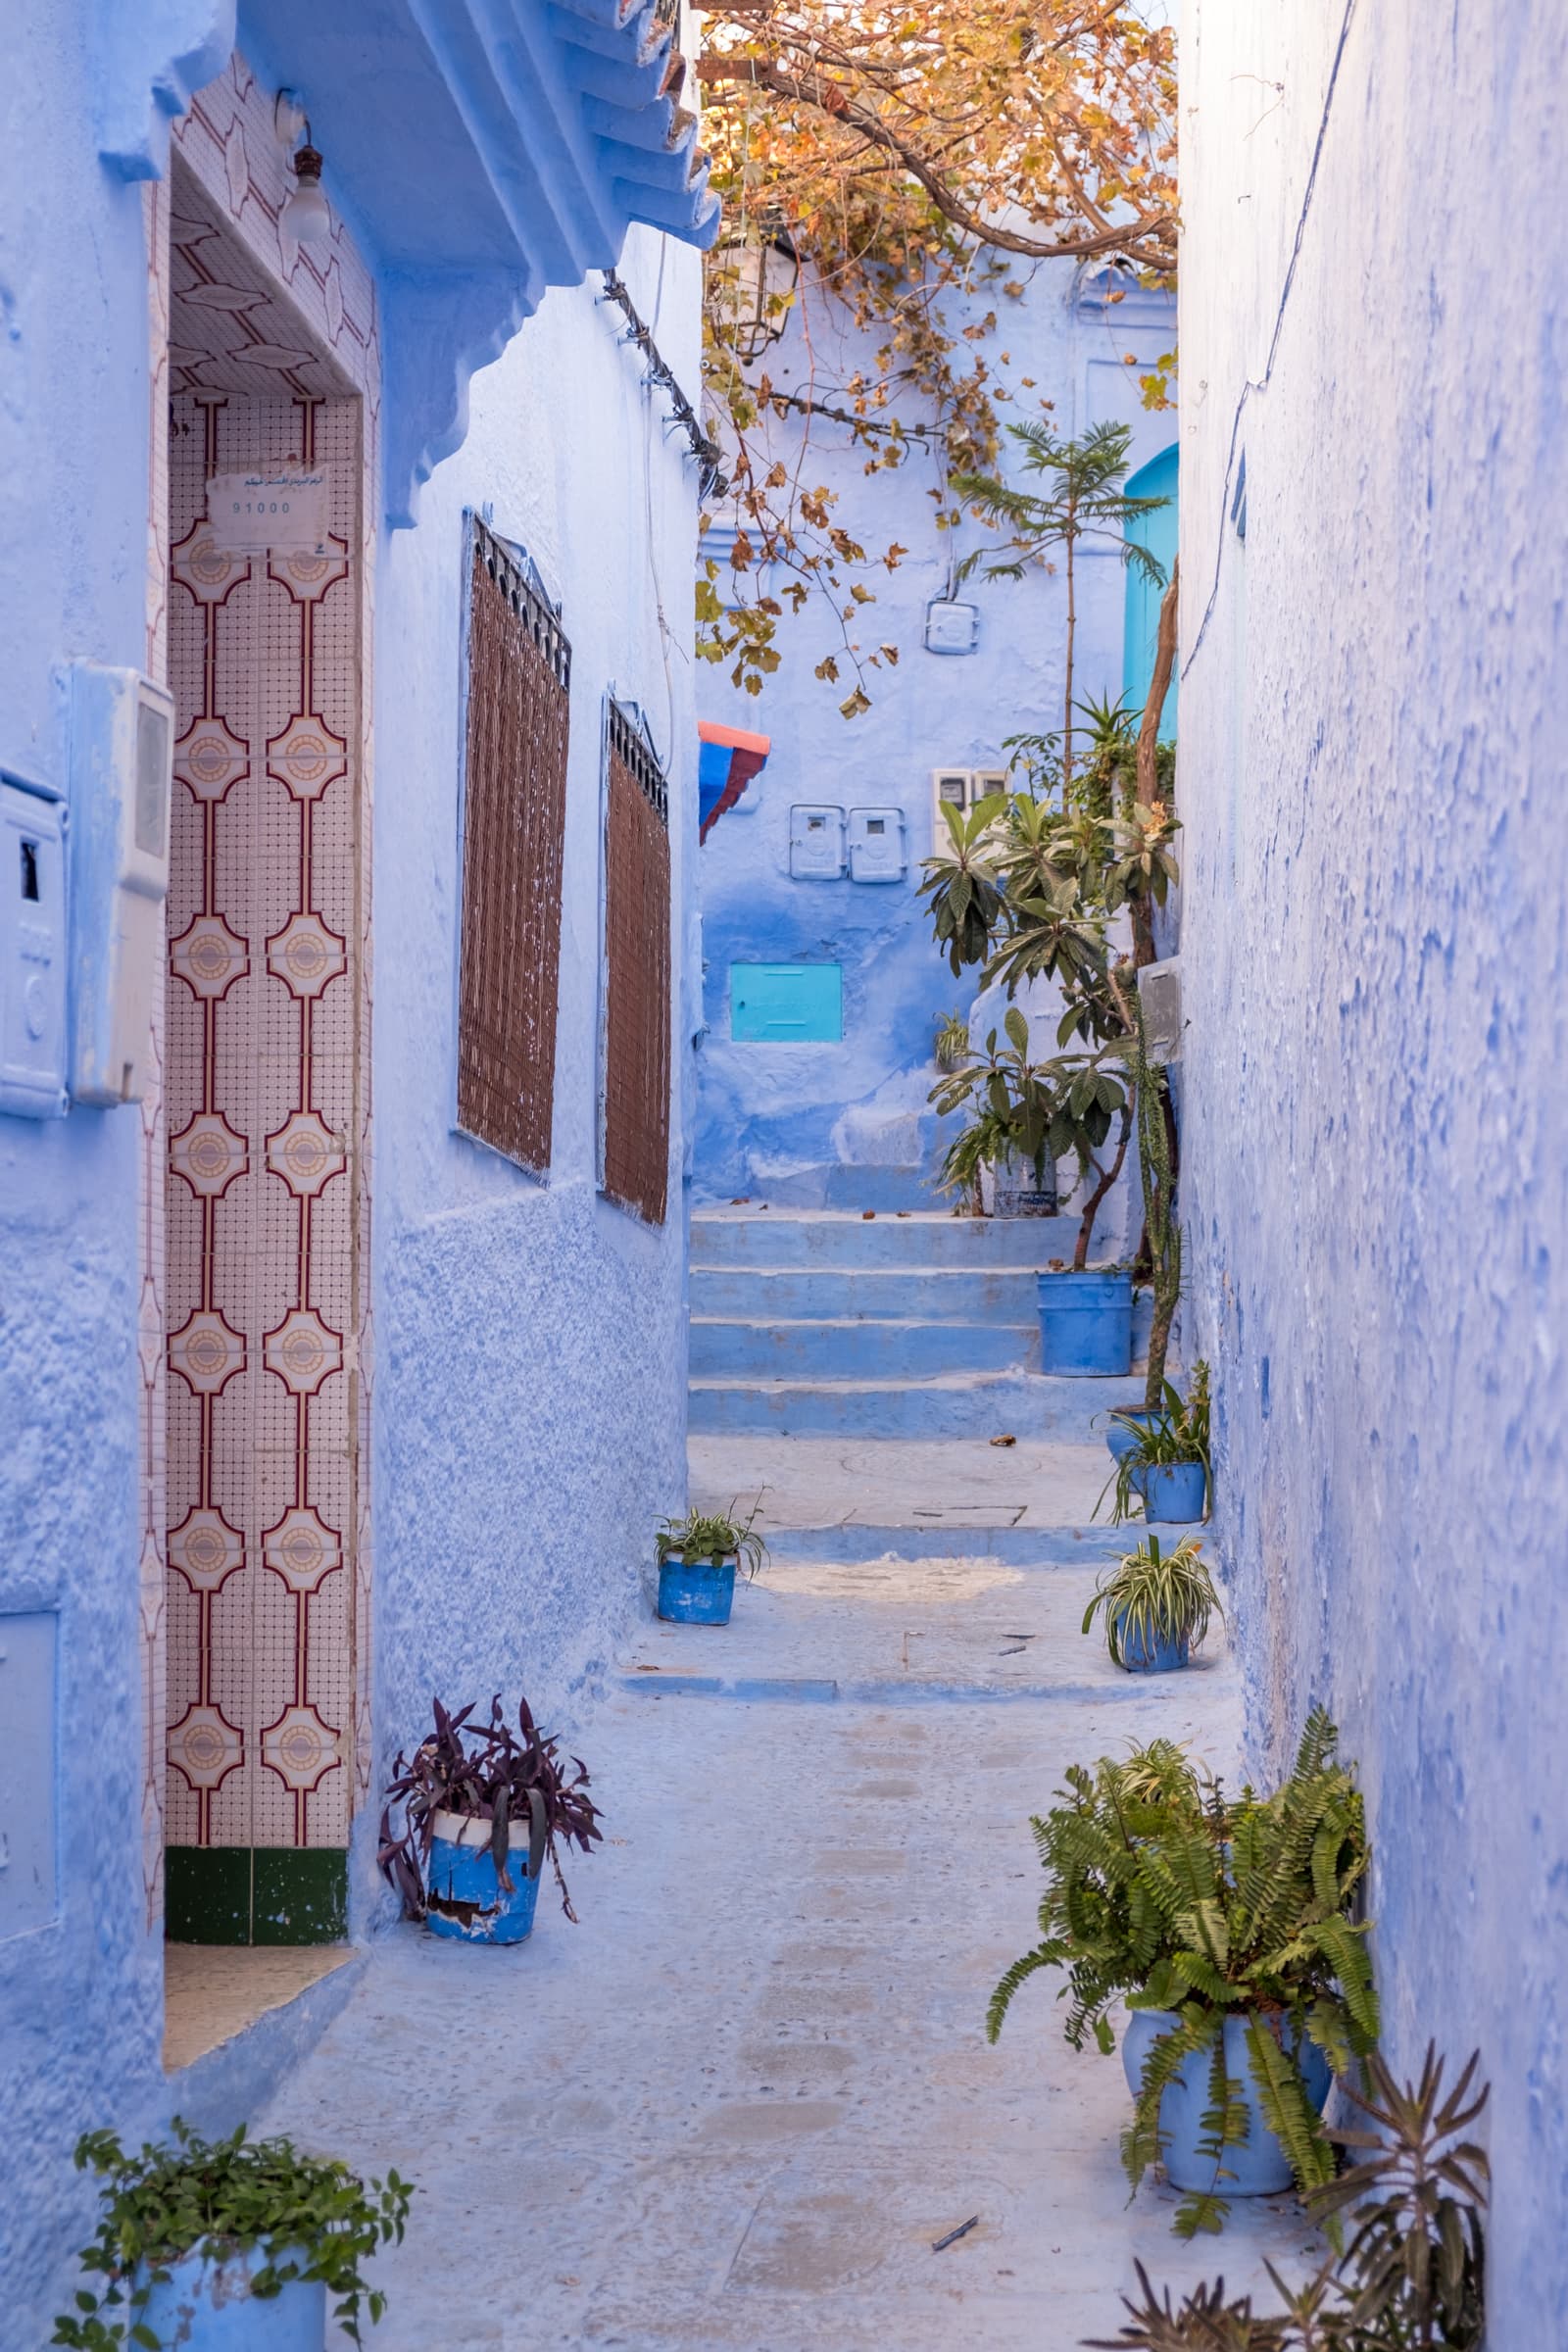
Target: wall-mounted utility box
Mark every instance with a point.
(33, 952)
(961, 788)
(786, 1003)
(952, 626)
(876, 844)
(27, 1889)
(1160, 992)
(817, 842)
(122, 753)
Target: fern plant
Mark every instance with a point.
(1162, 1891)
(1410, 2276)
(1152, 1598)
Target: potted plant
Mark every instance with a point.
(1411, 2270)
(1228, 1929)
(228, 2244)
(1156, 1605)
(951, 1041)
(1162, 1457)
(698, 1556)
(469, 1819)
(1008, 1135)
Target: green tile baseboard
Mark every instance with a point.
(255, 1894)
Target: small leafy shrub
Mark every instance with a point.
(311, 2216)
(1164, 1892)
(1150, 1597)
(489, 1773)
(1411, 2275)
(715, 1536)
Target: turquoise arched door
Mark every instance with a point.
(1156, 532)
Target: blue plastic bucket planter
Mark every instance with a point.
(466, 1899)
(1086, 1324)
(696, 1591)
(1120, 1437)
(1173, 1492)
(1146, 1653)
(206, 2306)
(1260, 2164)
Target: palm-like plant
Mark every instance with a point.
(1162, 1891)
(1151, 1599)
(1084, 497)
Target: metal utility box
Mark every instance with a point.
(952, 626)
(122, 753)
(1160, 992)
(876, 844)
(817, 842)
(786, 1003)
(28, 1897)
(33, 952)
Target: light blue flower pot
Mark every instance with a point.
(1120, 1437)
(1086, 1324)
(1260, 2165)
(1173, 1492)
(206, 2306)
(460, 1878)
(696, 1591)
(1141, 1654)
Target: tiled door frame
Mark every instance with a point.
(324, 303)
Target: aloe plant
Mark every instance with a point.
(1161, 1439)
(1151, 1599)
(1164, 1892)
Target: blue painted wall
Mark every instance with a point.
(846, 1125)
(530, 1351)
(1376, 950)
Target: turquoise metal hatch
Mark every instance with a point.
(786, 1003)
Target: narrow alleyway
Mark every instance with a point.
(737, 2104)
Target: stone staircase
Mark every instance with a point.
(828, 1323)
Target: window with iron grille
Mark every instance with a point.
(635, 1108)
(514, 826)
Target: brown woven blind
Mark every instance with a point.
(636, 1105)
(515, 816)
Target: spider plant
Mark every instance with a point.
(1152, 1598)
(717, 1535)
(952, 1042)
(1177, 1432)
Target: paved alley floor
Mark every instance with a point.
(736, 2106)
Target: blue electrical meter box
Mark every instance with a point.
(786, 1003)
(32, 950)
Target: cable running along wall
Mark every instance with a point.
(636, 1058)
(515, 816)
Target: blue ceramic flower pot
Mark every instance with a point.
(1144, 1653)
(466, 1899)
(696, 1591)
(1086, 1324)
(1173, 1491)
(1260, 2165)
(206, 2305)
(1120, 1437)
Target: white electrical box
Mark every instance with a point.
(29, 1896)
(876, 844)
(817, 843)
(1159, 993)
(952, 626)
(33, 952)
(121, 757)
(961, 789)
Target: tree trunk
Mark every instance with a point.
(1086, 1224)
(1072, 625)
(1159, 688)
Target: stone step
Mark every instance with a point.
(892, 1294)
(1024, 1404)
(1042, 1547)
(793, 1238)
(846, 1349)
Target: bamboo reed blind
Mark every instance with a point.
(637, 979)
(515, 816)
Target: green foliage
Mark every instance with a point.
(1411, 2276)
(960, 888)
(1152, 1596)
(1164, 1892)
(715, 1536)
(313, 2218)
(1025, 1108)
(1177, 1432)
(951, 1041)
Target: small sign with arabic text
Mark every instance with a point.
(282, 512)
